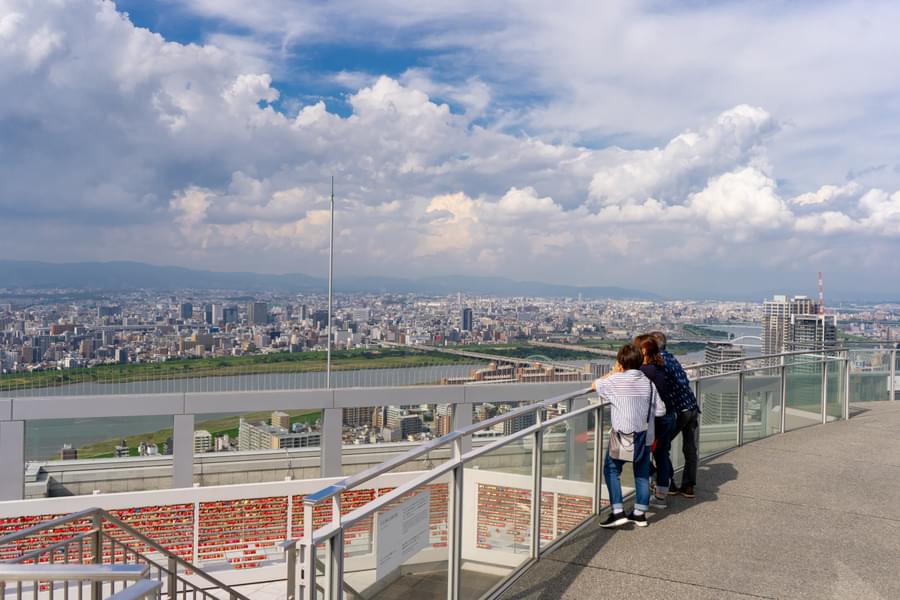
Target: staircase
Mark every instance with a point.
(92, 554)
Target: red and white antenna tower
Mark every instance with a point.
(821, 295)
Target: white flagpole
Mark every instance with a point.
(330, 280)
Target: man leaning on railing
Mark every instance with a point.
(687, 422)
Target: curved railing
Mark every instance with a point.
(470, 526)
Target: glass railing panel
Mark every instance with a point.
(719, 413)
(401, 550)
(803, 399)
(870, 372)
(497, 504)
(110, 454)
(835, 387)
(762, 403)
(567, 476)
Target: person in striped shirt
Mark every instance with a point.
(633, 404)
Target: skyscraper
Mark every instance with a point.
(813, 332)
(217, 314)
(467, 319)
(257, 313)
(776, 325)
(187, 310)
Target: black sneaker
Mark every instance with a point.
(639, 520)
(687, 491)
(615, 520)
(674, 490)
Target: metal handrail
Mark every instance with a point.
(93, 513)
(429, 476)
(824, 361)
(72, 572)
(356, 480)
(762, 357)
(142, 590)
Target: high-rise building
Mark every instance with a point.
(720, 396)
(122, 355)
(357, 416)
(443, 419)
(467, 319)
(776, 325)
(268, 437)
(203, 441)
(281, 419)
(208, 314)
(721, 351)
(187, 310)
(230, 315)
(257, 313)
(217, 314)
(813, 332)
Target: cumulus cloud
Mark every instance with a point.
(178, 154)
(826, 194)
(686, 162)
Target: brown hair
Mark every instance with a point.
(651, 353)
(630, 357)
(660, 338)
(641, 339)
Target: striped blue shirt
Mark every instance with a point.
(630, 395)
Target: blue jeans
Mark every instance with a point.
(612, 470)
(665, 430)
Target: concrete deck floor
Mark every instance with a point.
(814, 513)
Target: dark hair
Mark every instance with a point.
(660, 338)
(641, 338)
(630, 357)
(651, 352)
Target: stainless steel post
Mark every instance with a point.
(537, 467)
(97, 542)
(598, 458)
(308, 575)
(893, 384)
(335, 566)
(291, 561)
(783, 394)
(740, 409)
(846, 408)
(824, 390)
(455, 516)
(330, 281)
(172, 579)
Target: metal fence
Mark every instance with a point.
(470, 526)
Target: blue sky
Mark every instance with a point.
(753, 143)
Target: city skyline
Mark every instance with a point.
(204, 135)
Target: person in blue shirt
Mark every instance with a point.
(687, 417)
(654, 369)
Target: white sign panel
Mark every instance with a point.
(401, 533)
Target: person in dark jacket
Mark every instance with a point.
(653, 368)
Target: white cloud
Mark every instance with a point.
(686, 162)
(827, 193)
(174, 153)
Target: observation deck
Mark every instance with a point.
(794, 499)
(810, 514)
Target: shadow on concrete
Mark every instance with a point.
(559, 575)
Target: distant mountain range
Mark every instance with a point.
(134, 275)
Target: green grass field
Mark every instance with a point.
(282, 362)
(220, 426)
